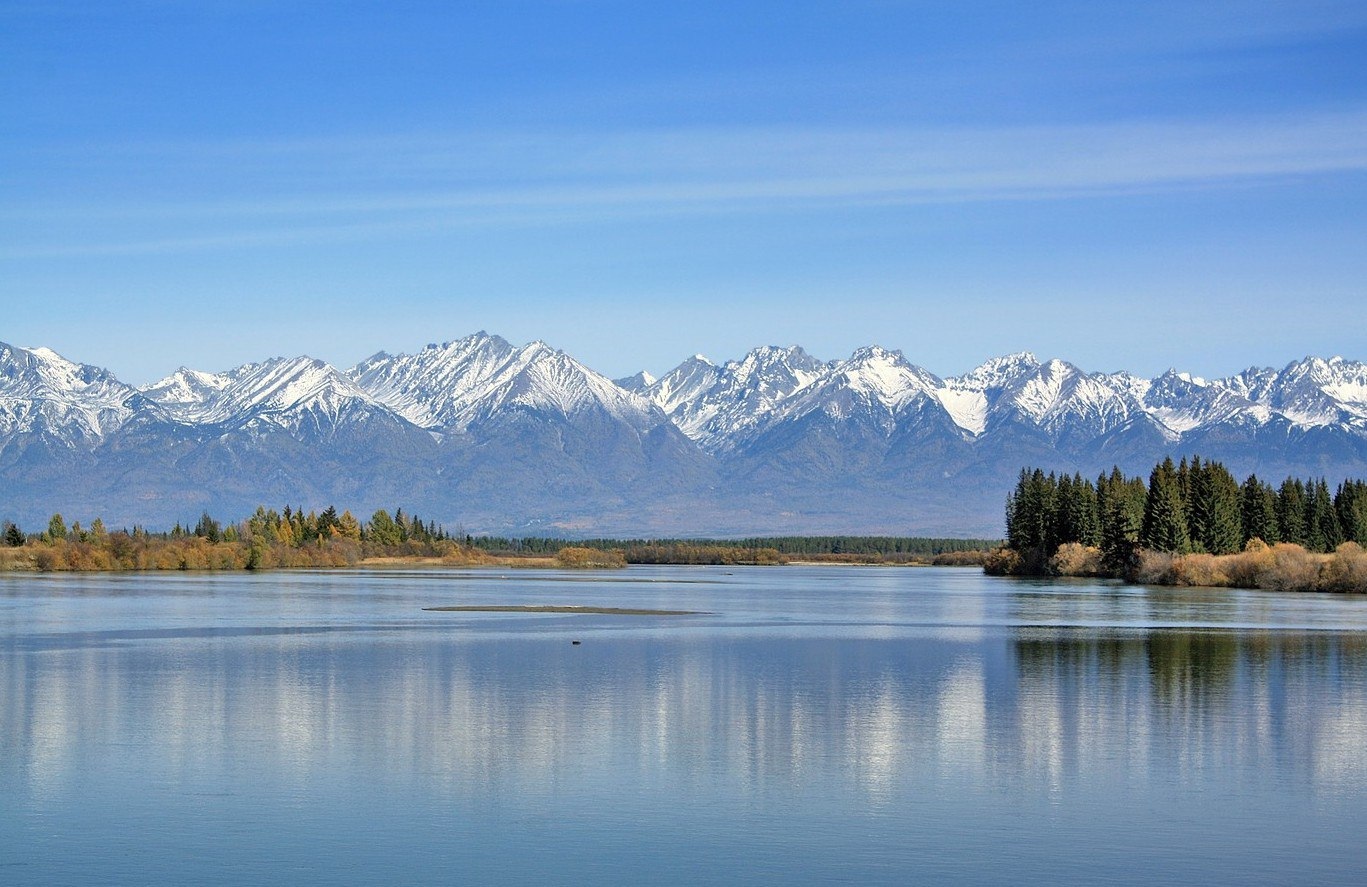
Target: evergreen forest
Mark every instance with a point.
(1125, 527)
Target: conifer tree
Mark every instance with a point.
(1186, 481)
(1322, 532)
(1015, 538)
(1077, 511)
(382, 530)
(1215, 523)
(208, 528)
(1121, 522)
(1291, 511)
(348, 527)
(1258, 511)
(1063, 496)
(1165, 522)
(1032, 517)
(1350, 502)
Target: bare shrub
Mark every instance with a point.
(1154, 568)
(1076, 559)
(48, 559)
(1295, 569)
(1252, 567)
(959, 559)
(1199, 569)
(590, 558)
(1346, 570)
(1002, 562)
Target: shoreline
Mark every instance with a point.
(387, 564)
(561, 608)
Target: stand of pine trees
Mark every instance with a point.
(1193, 507)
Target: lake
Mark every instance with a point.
(810, 725)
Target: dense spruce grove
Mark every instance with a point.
(1120, 526)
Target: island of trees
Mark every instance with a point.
(1192, 523)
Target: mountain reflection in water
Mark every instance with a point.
(818, 725)
(1037, 707)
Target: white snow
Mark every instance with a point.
(968, 409)
(42, 391)
(718, 405)
(281, 392)
(451, 386)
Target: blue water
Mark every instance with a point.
(814, 725)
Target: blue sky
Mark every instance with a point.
(1128, 186)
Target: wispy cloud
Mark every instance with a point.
(280, 192)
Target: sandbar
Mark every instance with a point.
(548, 608)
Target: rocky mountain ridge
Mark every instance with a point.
(483, 433)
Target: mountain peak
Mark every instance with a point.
(638, 383)
(998, 372)
(280, 386)
(41, 390)
(871, 353)
(472, 379)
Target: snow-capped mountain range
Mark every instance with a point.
(721, 405)
(457, 384)
(495, 436)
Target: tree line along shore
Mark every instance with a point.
(294, 538)
(1192, 523)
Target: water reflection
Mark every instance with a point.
(1252, 705)
(1029, 710)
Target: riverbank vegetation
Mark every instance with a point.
(266, 540)
(1191, 524)
(762, 551)
(293, 538)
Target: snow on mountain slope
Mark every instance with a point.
(481, 377)
(1182, 402)
(1055, 396)
(1311, 393)
(458, 384)
(997, 373)
(188, 395)
(967, 408)
(872, 385)
(41, 391)
(433, 388)
(542, 378)
(637, 384)
(969, 397)
(1059, 396)
(715, 405)
(687, 386)
(287, 393)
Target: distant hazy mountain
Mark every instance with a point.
(486, 435)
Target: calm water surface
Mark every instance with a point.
(814, 725)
